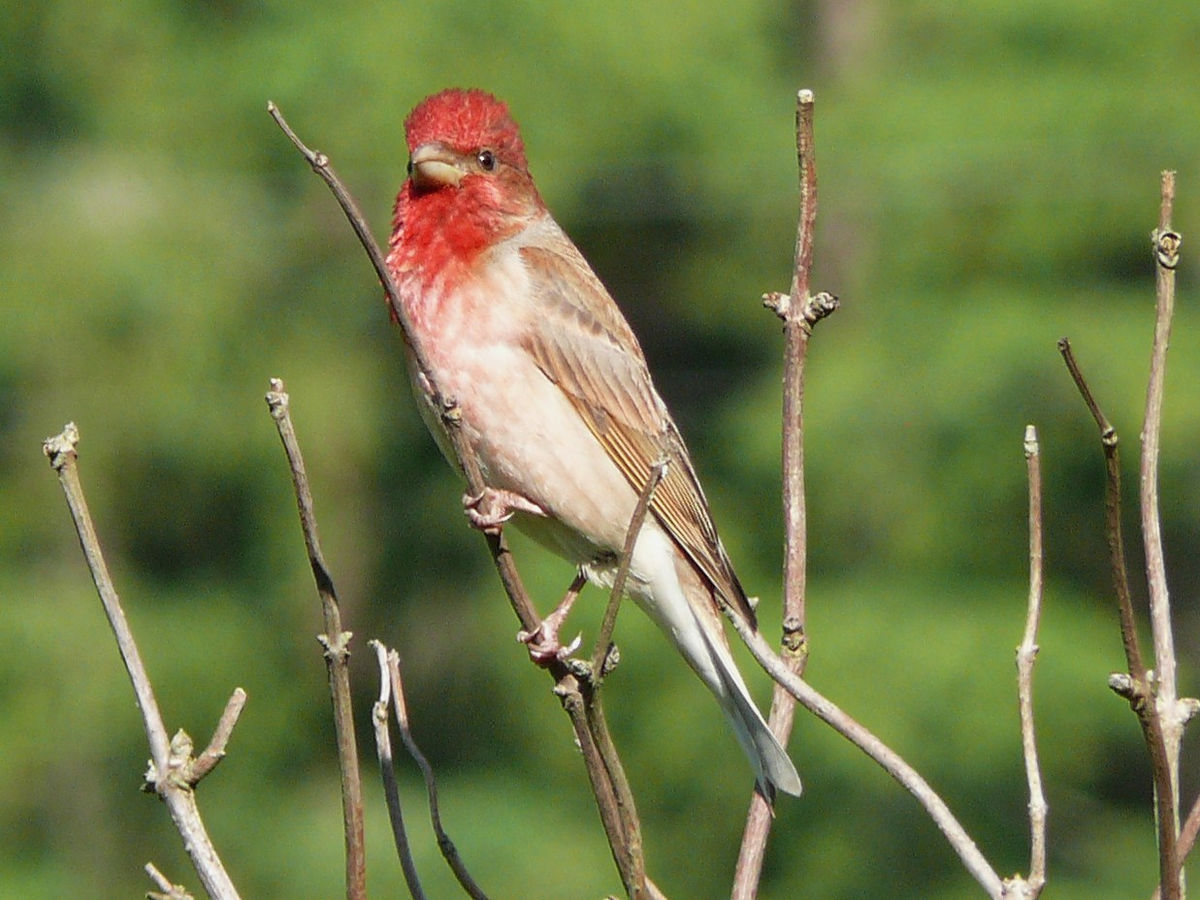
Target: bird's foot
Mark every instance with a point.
(543, 644)
(491, 508)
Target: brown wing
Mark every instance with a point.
(590, 352)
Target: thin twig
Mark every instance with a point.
(447, 409)
(166, 890)
(1110, 442)
(590, 690)
(609, 622)
(891, 762)
(336, 643)
(215, 751)
(167, 768)
(1026, 656)
(387, 770)
(449, 851)
(1166, 255)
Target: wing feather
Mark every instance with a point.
(591, 353)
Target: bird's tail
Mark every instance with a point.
(673, 592)
(770, 760)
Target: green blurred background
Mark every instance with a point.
(989, 178)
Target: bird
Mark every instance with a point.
(554, 394)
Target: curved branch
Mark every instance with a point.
(891, 762)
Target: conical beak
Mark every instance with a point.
(434, 165)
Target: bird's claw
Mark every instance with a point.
(543, 644)
(488, 510)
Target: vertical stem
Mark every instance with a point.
(798, 312)
(1026, 656)
(797, 329)
(337, 652)
(1166, 253)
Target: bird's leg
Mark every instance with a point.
(492, 507)
(542, 642)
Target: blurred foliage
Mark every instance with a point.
(989, 177)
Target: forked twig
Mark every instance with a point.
(171, 773)
(449, 851)
(387, 771)
(1187, 839)
(1154, 698)
(1136, 686)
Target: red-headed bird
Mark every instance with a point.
(554, 392)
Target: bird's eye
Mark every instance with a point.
(486, 160)
(410, 167)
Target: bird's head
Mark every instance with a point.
(459, 133)
(468, 184)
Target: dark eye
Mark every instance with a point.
(486, 160)
(410, 167)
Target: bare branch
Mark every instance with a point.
(891, 762)
(167, 767)
(61, 450)
(1160, 712)
(387, 770)
(1026, 656)
(1136, 686)
(337, 652)
(799, 312)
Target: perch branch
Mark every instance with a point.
(607, 796)
(336, 644)
(169, 769)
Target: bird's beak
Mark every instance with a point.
(434, 165)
